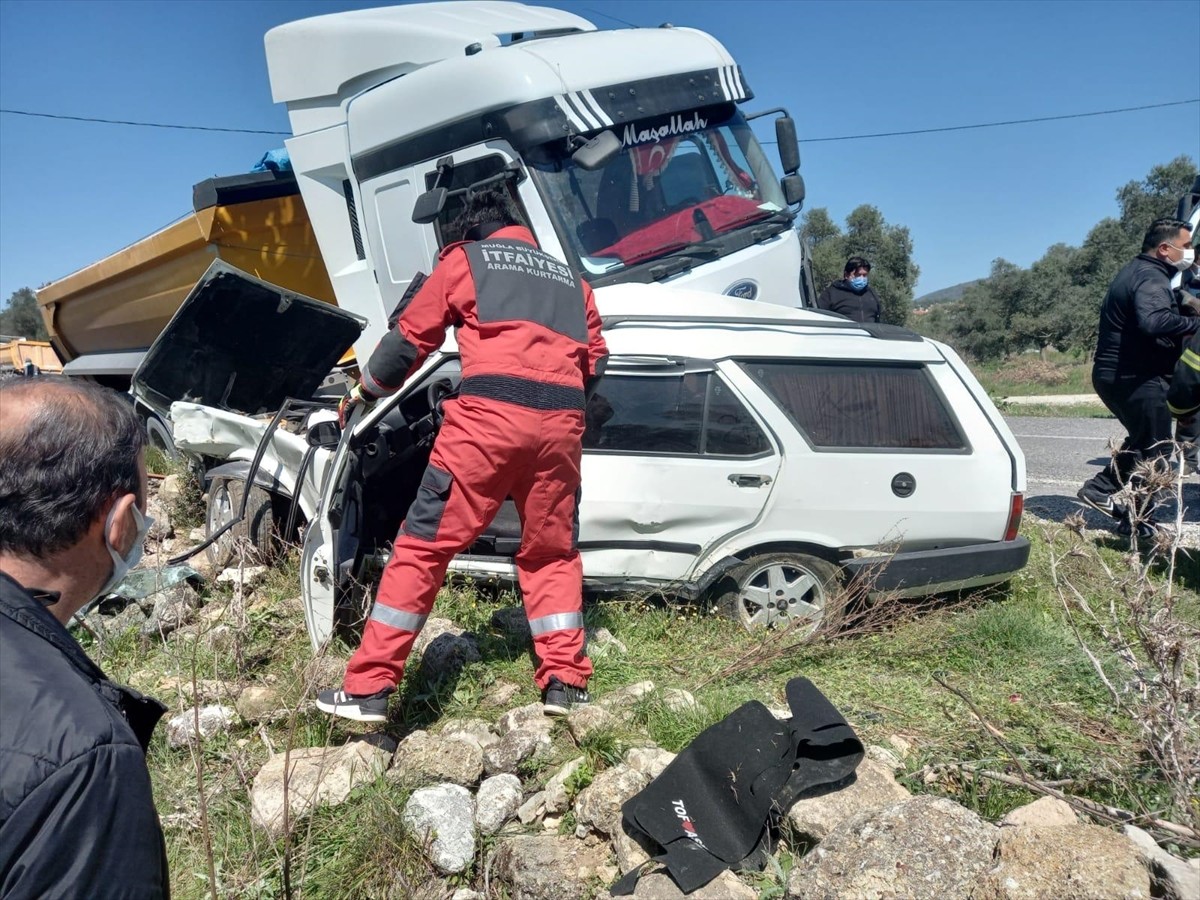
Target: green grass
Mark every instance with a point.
(1056, 410)
(1010, 650)
(1029, 374)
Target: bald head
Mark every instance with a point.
(67, 448)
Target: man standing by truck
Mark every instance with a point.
(1137, 347)
(852, 297)
(529, 336)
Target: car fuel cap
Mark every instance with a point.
(903, 484)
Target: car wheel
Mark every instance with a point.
(778, 589)
(257, 534)
(158, 436)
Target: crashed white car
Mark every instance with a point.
(748, 452)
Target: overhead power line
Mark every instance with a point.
(41, 115)
(814, 140)
(1103, 112)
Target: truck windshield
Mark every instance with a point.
(696, 178)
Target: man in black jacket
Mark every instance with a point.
(1139, 341)
(77, 816)
(852, 297)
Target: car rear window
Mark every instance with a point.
(860, 405)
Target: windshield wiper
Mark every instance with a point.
(681, 258)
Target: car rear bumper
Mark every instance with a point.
(932, 571)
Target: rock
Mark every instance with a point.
(679, 701)
(650, 761)
(113, 616)
(658, 885)
(513, 749)
(626, 697)
(527, 718)
(258, 703)
(174, 607)
(496, 802)
(423, 757)
(599, 804)
(1067, 862)
(586, 720)
(325, 671)
(875, 788)
(476, 731)
(885, 757)
(548, 867)
(317, 776)
(513, 622)
(443, 819)
(1045, 811)
(170, 488)
(466, 894)
(901, 745)
(532, 808)
(196, 535)
(245, 576)
(501, 693)
(162, 529)
(218, 638)
(183, 729)
(1172, 878)
(600, 642)
(170, 688)
(558, 798)
(926, 848)
(443, 649)
(632, 850)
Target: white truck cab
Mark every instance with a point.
(379, 98)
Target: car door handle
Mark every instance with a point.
(750, 480)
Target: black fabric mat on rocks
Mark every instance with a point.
(714, 806)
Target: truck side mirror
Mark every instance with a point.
(598, 152)
(789, 147)
(793, 189)
(429, 206)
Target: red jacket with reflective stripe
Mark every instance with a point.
(514, 310)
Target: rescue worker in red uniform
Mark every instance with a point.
(529, 338)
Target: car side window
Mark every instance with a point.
(692, 414)
(860, 405)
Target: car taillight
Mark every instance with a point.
(1015, 507)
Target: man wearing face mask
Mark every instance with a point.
(77, 816)
(852, 297)
(1140, 338)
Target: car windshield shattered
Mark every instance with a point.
(682, 185)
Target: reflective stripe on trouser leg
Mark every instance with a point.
(548, 566)
(478, 448)
(555, 622)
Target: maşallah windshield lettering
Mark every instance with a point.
(676, 125)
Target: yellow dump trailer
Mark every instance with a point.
(103, 317)
(16, 353)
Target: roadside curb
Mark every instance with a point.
(1053, 400)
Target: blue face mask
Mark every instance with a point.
(859, 283)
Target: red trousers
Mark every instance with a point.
(486, 451)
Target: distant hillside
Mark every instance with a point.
(945, 295)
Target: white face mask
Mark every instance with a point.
(122, 564)
(1186, 261)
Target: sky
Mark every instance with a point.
(73, 192)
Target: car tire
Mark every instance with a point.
(777, 589)
(257, 534)
(158, 437)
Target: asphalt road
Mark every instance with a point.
(1060, 454)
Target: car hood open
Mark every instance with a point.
(241, 344)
